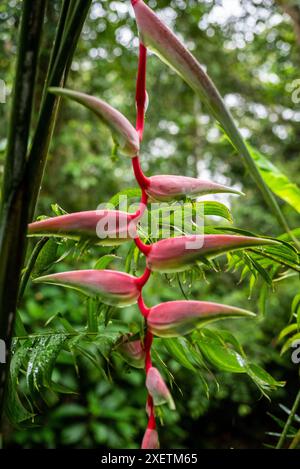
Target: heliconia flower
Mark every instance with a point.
(179, 254)
(123, 131)
(112, 287)
(155, 35)
(150, 440)
(133, 352)
(170, 187)
(158, 389)
(175, 318)
(111, 227)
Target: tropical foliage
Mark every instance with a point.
(73, 357)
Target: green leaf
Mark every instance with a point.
(262, 378)
(287, 330)
(219, 348)
(277, 181)
(42, 361)
(228, 338)
(58, 210)
(14, 408)
(178, 211)
(221, 355)
(69, 410)
(130, 193)
(216, 209)
(105, 260)
(73, 433)
(19, 328)
(288, 344)
(258, 268)
(283, 252)
(296, 308)
(46, 258)
(178, 350)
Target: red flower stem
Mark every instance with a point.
(141, 96)
(143, 308)
(144, 248)
(144, 278)
(139, 175)
(144, 199)
(148, 363)
(142, 207)
(151, 422)
(143, 182)
(148, 343)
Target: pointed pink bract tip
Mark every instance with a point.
(123, 131)
(167, 187)
(180, 253)
(158, 389)
(108, 227)
(113, 287)
(150, 440)
(175, 318)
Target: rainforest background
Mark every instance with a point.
(252, 51)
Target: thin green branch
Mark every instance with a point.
(30, 265)
(289, 422)
(57, 41)
(276, 259)
(296, 441)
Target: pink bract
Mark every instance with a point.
(179, 254)
(114, 288)
(175, 318)
(111, 227)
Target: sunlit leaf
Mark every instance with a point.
(277, 181)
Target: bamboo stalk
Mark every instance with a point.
(46, 121)
(14, 208)
(23, 175)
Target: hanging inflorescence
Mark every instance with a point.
(169, 319)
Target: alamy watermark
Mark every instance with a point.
(156, 220)
(294, 89)
(2, 92)
(2, 351)
(295, 357)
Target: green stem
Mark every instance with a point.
(289, 422)
(23, 177)
(240, 146)
(58, 38)
(92, 316)
(14, 208)
(296, 441)
(46, 121)
(19, 127)
(30, 265)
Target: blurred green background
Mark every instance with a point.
(250, 50)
